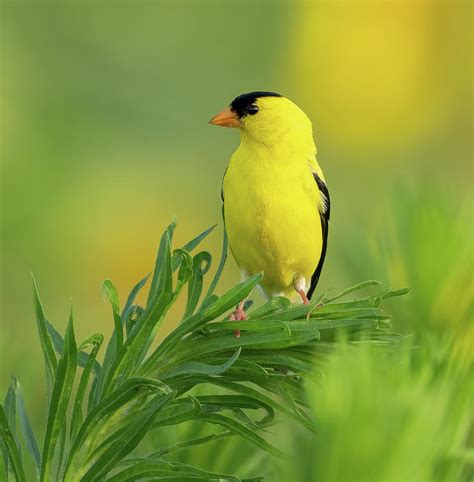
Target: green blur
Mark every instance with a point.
(104, 111)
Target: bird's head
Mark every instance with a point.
(265, 117)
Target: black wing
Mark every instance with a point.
(324, 213)
(222, 185)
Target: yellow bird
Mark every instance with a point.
(276, 203)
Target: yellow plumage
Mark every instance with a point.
(272, 203)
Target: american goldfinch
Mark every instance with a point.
(276, 202)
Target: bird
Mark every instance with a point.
(276, 204)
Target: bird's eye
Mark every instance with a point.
(252, 109)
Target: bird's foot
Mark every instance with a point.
(238, 315)
(304, 298)
(305, 301)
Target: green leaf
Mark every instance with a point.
(113, 429)
(191, 443)
(11, 446)
(266, 326)
(241, 429)
(163, 270)
(109, 292)
(232, 402)
(172, 471)
(139, 340)
(93, 397)
(133, 315)
(9, 405)
(194, 243)
(129, 390)
(46, 345)
(243, 382)
(201, 264)
(208, 301)
(121, 447)
(346, 305)
(250, 392)
(60, 451)
(115, 343)
(216, 342)
(58, 343)
(336, 323)
(281, 361)
(179, 411)
(59, 400)
(197, 367)
(141, 336)
(359, 286)
(292, 313)
(327, 313)
(185, 272)
(272, 306)
(3, 460)
(390, 293)
(217, 276)
(214, 310)
(76, 420)
(26, 430)
(132, 296)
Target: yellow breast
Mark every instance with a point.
(271, 214)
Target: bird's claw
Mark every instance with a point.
(238, 315)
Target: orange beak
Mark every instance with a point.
(226, 118)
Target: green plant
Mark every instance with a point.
(97, 420)
(386, 419)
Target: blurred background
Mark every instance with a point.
(104, 111)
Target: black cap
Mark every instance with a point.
(240, 104)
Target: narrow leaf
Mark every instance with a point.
(109, 405)
(109, 292)
(9, 406)
(274, 305)
(179, 411)
(356, 287)
(224, 303)
(46, 345)
(26, 430)
(12, 449)
(185, 272)
(150, 469)
(250, 325)
(59, 400)
(76, 419)
(220, 268)
(139, 340)
(3, 461)
(123, 446)
(162, 272)
(133, 294)
(191, 443)
(58, 343)
(189, 246)
(396, 292)
(201, 264)
(241, 429)
(197, 367)
(133, 315)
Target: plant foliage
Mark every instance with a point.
(99, 413)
